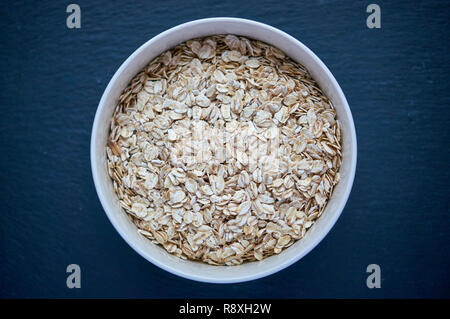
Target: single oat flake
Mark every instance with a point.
(224, 150)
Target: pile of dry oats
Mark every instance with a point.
(224, 150)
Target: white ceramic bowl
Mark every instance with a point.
(166, 40)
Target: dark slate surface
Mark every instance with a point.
(396, 80)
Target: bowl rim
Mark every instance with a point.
(246, 277)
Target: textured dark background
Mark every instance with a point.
(396, 80)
